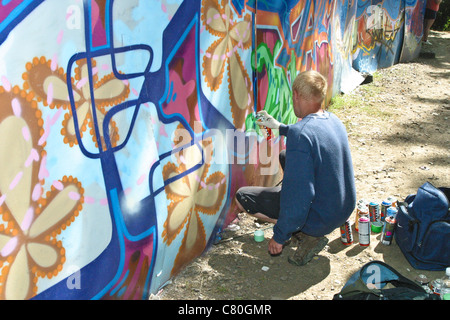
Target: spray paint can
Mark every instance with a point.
(361, 211)
(435, 286)
(388, 230)
(391, 212)
(384, 206)
(346, 233)
(362, 202)
(392, 200)
(364, 231)
(374, 211)
(269, 131)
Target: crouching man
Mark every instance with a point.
(317, 194)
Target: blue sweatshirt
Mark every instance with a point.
(318, 191)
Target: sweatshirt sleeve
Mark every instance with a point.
(284, 129)
(297, 193)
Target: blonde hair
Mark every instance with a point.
(311, 85)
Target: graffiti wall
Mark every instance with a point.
(126, 127)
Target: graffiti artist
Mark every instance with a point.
(317, 194)
(431, 10)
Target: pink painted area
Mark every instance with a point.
(37, 191)
(9, 247)
(81, 83)
(26, 133)
(50, 93)
(16, 180)
(28, 219)
(6, 84)
(98, 30)
(75, 196)
(133, 290)
(43, 172)
(54, 63)
(58, 185)
(89, 200)
(178, 101)
(34, 156)
(141, 179)
(50, 121)
(5, 10)
(162, 131)
(17, 109)
(60, 36)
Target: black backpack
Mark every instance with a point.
(423, 228)
(378, 281)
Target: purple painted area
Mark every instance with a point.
(5, 10)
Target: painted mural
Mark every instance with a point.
(126, 127)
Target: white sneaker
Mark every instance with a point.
(427, 42)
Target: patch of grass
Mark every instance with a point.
(375, 112)
(364, 101)
(370, 90)
(222, 289)
(377, 76)
(341, 102)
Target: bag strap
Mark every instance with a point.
(402, 203)
(403, 207)
(358, 289)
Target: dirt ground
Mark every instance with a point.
(400, 138)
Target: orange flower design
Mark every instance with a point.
(194, 194)
(218, 20)
(48, 82)
(30, 220)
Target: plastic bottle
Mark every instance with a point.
(445, 285)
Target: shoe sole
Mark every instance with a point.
(322, 243)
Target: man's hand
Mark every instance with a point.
(266, 120)
(274, 247)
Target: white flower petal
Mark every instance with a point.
(18, 281)
(59, 88)
(179, 186)
(110, 89)
(81, 116)
(207, 197)
(15, 180)
(7, 245)
(55, 212)
(215, 21)
(44, 255)
(191, 237)
(180, 213)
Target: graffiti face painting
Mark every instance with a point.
(126, 127)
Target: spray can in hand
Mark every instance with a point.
(261, 117)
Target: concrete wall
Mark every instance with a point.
(126, 127)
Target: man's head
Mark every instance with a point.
(308, 92)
